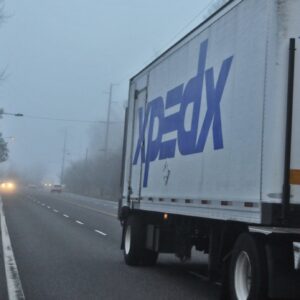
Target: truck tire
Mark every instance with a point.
(248, 268)
(135, 252)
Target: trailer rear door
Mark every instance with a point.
(295, 147)
(140, 99)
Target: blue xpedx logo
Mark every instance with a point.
(190, 141)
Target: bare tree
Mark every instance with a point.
(98, 176)
(3, 149)
(3, 144)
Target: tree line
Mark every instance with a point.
(96, 177)
(99, 174)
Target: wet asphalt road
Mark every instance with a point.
(68, 247)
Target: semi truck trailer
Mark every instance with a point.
(211, 156)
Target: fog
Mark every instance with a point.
(60, 58)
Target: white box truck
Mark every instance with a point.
(212, 150)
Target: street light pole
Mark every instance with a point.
(10, 114)
(15, 115)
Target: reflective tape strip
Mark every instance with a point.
(295, 177)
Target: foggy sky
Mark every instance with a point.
(60, 57)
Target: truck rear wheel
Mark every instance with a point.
(135, 252)
(248, 268)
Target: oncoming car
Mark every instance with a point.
(56, 188)
(7, 187)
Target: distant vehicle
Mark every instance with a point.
(7, 187)
(211, 154)
(47, 185)
(56, 188)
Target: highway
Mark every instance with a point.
(68, 247)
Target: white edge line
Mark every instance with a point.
(100, 232)
(79, 222)
(55, 210)
(66, 216)
(14, 285)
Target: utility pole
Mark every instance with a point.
(108, 119)
(86, 155)
(102, 192)
(63, 157)
(86, 159)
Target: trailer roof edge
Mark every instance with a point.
(181, 39)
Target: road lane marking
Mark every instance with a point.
(100, 232)
(66, 216)
(92, 209)
(79, 222)
(55, 210)
(49, 207)
(14, 285)
(43, 204)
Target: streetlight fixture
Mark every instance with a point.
(12, 114)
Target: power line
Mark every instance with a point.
(108, 117)
(205, 9)
(187, 25)
(67, 120)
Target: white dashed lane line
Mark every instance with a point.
(100, 232)
(67, 216)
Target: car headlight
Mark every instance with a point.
(8, 186)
